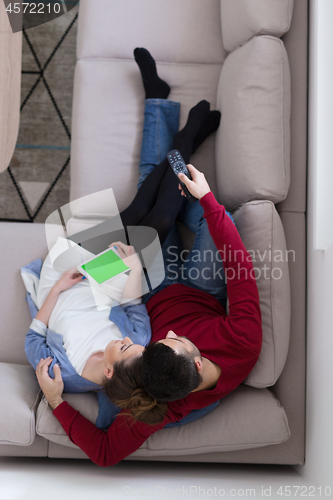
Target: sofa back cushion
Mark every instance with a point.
(243, 19)
(21, 243)
(111, 29)
(253, 140)
(261, 230)
(107, 124)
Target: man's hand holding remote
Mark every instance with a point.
(198, 186)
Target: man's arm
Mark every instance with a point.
(103, 448)
(244, 309)
(244, 317)
(52, 388)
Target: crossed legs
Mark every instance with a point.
(158, 200)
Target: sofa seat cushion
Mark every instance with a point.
(108, 112)
(246, 418)
(19, 396)
(243, 19)
(101, 204)
(49, 427)
(253, 140)
(262, 232)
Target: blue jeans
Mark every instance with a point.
(161, 122)
(202, 268)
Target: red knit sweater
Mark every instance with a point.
(233, 342)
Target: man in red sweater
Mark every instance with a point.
(225, 347)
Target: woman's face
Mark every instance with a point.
(119, 350)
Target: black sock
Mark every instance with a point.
(210, 125)
(183, 140)
(154, 86)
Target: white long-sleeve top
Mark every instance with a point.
(81, 314)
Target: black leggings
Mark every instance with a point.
(157, 203)
(159, 200)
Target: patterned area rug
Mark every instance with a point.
(37, 181)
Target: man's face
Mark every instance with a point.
(181, 345)
(120, 350)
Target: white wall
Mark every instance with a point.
(319, 435)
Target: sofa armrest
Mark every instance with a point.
(19, 396)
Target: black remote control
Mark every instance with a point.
(179, 166)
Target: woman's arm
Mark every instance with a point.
(133, 287)
(35, 345)
(67, 280)
(45, 311)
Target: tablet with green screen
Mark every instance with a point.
(104, 266)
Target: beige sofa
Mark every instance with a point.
(231, 53)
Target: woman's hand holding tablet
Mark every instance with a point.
(133, 287)
(127, 254)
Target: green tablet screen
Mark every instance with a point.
(105, 266)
